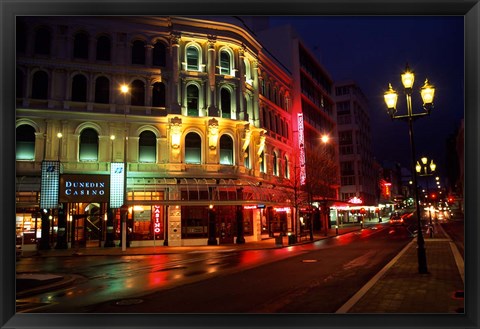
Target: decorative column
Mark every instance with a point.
(212, 227)
(62, 228)
(255, 102)
(45, 239)
(242, 107)
(110, 236)
(211, 97)
(175, 90)
(239, 210)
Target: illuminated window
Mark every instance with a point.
(102, 90)
(192, 58)
(275, 164)
(193, 148)
(262, 163)
(103, 48)
(247, 70)
(80, 45)
(138, 52)
(225, 66)
(88, 145)
(147, 147)
(25, 142)
(286, 168)
(226, 150)
(79, 88)
(226, 103)
(192, 100)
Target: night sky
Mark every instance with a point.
(373, 51)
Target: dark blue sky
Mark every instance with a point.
(373, 51)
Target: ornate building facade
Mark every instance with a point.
(199, 147)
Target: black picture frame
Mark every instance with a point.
(470, 9)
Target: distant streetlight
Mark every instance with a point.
(325, 139)
(427, 92)
(424, 169)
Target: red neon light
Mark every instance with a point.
(355, 200)
(301, 147)
(284, 209)
(157, 223)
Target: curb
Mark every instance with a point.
(64, 282)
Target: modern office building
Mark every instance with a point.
(315, 126)
(201, 147)
(358, 176)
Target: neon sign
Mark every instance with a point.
(301, 147)
(156, 217)
(355, 200)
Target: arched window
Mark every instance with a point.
(225, 65)
(226, 103)
(103, 48)
(80, 45)
(286, 169)
(88, 145)
(40, 85)
(246, 158)
(275, 164)
(192, 58)
(147, 147)
(226, 150)
(42, 41)
(25, 142)
(102, 90)
(248, 72)
(158, 94)
(137, 93)
(21, 37)
(193, 148)
(79, 88)
(159, 54)
(138, 52)
(20, 80)
(262, 163)
(192, 101)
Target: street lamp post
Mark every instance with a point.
(424, 170)
(124, 214)
(427, 93)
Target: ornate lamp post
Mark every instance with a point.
(124, 209)
(427, 93)
(424, 169)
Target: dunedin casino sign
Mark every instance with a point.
(84, 188)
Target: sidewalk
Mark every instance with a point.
(397, 288)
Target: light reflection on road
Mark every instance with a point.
(113, 278)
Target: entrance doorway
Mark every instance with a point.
(226, 224)
(87, 228)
